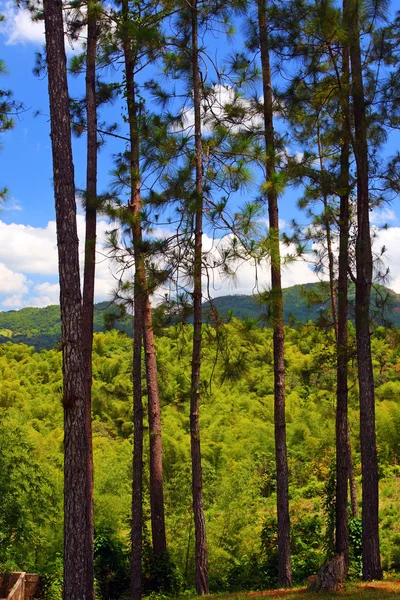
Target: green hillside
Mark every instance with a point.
(309, 302)
(41, 327)
(238, 456)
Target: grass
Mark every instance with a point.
(375, 590)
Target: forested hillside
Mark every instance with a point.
(237, 446)
(41, 327)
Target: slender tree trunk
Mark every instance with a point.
(352, 480)
(197, 477)
(137, 485)
(144, 324)
(370, 490)
(342, 426)
(138, 302)
(78, 567)
(90, 239)
(282, 476)
(331, 268)
(328, 232)
(156, 467)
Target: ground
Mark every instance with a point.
(376, 590)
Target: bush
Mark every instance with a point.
(159, 573)
(111, 565)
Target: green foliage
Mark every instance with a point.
(306, 538)
(52, 580)
(27, 499)
(237, 449)
(41, 327)
(111, 565)
(355, 540)
(160, 573)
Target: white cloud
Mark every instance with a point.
(389, 239)
(19, 28)
(14, 302)
(46, 294)
(250, 279)
(33, 250)
(214, 108)
(29, 249)
(382, 216)
(12, 282)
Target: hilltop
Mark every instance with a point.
(41, 327)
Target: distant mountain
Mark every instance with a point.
(41, 327)
(307, 302)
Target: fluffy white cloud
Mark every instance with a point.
(249, 278)
(33, 250)
(215, 108)
(12, 282)
(19, 28)
(27, 251)
(45, 294)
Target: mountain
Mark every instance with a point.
(41, 327)
(308, 302)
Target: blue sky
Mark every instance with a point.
(28, 255)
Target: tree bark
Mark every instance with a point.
(370, 490)
(156, 467)
(137, 484)
(197, 477)
(138, 304)
(144, 327)
(282, 476)
(90, 239)
(342, 426)
(328, 232)
(78, 562)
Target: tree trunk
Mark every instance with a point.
(156, 467)
(197, 478)
(144, 323)
(282, 477)
(137, 485)
(342, 426)
(78, 562)
(370, 491)
(90, 238)
(352, 480)
(138, 303)
(328, 232)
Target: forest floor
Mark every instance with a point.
(375, 590)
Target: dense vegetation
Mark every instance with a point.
(41, 327)
(311, 100)
(237, 446)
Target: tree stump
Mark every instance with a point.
(330, 577)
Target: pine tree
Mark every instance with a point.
(370, 490)
(197, 478)
(282, 475)
(90, 238)
(78, 561)
(143, 327)
(343, 450)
